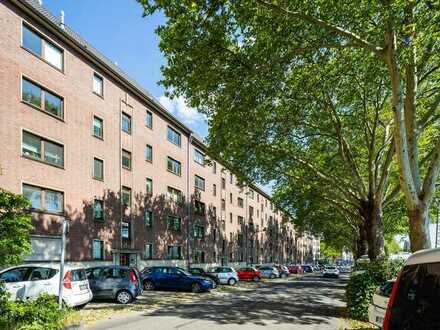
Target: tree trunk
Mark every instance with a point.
(419, 229)
(361, 243)
(371, 211)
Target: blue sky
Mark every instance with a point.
(118, 30)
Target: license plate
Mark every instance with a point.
(83, 287)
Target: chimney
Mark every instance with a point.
(62, 19)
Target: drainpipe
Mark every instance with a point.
(188, 194)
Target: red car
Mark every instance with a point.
(295, 269)
(249, 273)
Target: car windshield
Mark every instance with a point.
(331, 268)
(181, 271)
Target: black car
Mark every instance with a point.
(307, 268)
(202, 273)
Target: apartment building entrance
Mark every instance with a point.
(126, 259)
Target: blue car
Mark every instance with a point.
(174, 278)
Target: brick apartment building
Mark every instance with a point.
(86, 143)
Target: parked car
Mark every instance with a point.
(29, 281)
(196, 271)
(115, 282)
(307, 268)
(226, 275)
(175, 278)
(345, 269)
(330, 271)
(283, 270)
(415, 296)
(295, 269)
(269, 272)
(379, 302)
(249, 273)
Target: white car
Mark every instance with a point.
(379, 303)
(225, 275)
(330, 271)
(29, 281)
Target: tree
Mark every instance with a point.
(233, 54)
(15, 228)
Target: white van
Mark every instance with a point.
(414, 300)
(29, 281)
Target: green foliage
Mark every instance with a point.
(39, 314)
(15, 228)
(328, 250)
(363, 283)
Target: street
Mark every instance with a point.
(310, 302)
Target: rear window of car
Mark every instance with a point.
(78, 275)
(418, 295)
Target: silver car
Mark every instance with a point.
(269, 272)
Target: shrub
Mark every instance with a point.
(362, 284)
(39, 314)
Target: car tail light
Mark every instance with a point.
(386, 321)
(133, 278)
(67, 281)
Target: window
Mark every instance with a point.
(223, 204)
(174, 223)
(214, 190)
(148, 218)
(240, 202)
(126, 159)
(223, 183)
(174, 136)
(214, 167)
(44, 199)
(41, 47)
(251, 211)
(98, 127)
(174, 252)
(148, 153)
(174, 166)
(98, 249)
(41, 149)
(240, 220)
(231, 178)
(230, 198)
(214, 211)
(125, 230)
(251, 194)
(126, 123)
(174, 194)
(199, 182)
(199, 208)
(149, 119)
(149, 186)
(199, 157)
(199, 232)
(230, 217)
(148, 251)
(126, 196)
(98, 84)
(199, 257)
(98, 169)
(37, 96)
(258, 198)
(98, 210)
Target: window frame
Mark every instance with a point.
(174, 190)
(126, 116)
(151, 251)
(172, 161)
(172, 227)
(179, 249)
(147, 180)
(197, 231)
(176, 133)
(201, 179)
(43, 91)
(102, 250)
(43, 39)
(150, 212)
(42, 159)
(94, 174)
(198, 152)
(127, 189)
(93, 127)
(43, 191)
(103, 208)
(125, 224)
(149, 113)
(95, 74)
(122, 159)
(148, 147)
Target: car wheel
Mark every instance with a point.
(232, 281)
(195, 288)
(272, 276)
(214, 284)
(256, 279)
(124, 297)
(148, 285)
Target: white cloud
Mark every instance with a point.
(181, 110)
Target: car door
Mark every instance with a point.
(15, 281)
(91, 273)
(175, 279)
(40, 280)
(110, 282)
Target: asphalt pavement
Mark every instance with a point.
(311, 302)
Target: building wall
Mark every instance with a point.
(225, 239)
